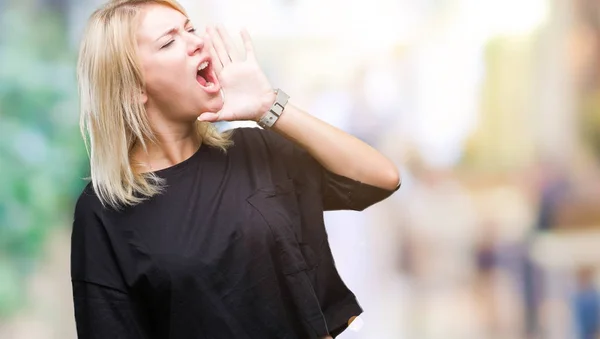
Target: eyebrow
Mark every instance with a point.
(173, 30)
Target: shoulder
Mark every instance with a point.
(92, 251)
(244, 134)
(88, 204)
(87, 198)
(257, 138)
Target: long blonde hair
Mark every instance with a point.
(113, 119)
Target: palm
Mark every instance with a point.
(243, 84)
(246, 90)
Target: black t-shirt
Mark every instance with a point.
(235, 247)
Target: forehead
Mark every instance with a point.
(156, 19)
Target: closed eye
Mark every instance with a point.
(167, 44)
(191, 30)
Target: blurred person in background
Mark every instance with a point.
(187, 232)
(586, 305)
(552, 187)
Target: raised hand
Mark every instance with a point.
(246, 90)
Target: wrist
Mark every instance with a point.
(275, 110)
(267, 102)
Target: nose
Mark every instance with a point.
(195, 43)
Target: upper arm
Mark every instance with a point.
(337, 192)
(342, 193)
(92, 256)
(103, 307)
(102, 312)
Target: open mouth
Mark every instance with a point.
(205, 75)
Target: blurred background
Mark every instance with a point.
(490, 108)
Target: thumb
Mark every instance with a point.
(209, 117)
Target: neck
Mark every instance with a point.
(175, 142)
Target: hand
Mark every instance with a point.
(246, 90)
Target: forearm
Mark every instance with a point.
(336, 150)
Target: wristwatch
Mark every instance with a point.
(269, 118)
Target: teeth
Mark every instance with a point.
(203, 65)
(209, 84)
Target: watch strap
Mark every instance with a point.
(272, 115)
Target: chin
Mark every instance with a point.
(214, 105)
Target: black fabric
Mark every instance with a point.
(235, 247)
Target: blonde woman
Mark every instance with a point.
(185, 232)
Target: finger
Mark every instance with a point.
(247, 43)
(217, 43)
(228, 43)
(216, 63)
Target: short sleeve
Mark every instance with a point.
(102, 312)
(337, 192)
(103, 307)
(342, 193)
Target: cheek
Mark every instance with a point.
(166, 74)
(165, 80)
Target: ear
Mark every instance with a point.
(144, 97)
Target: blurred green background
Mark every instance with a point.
(42, 159)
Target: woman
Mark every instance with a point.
(185, 232)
